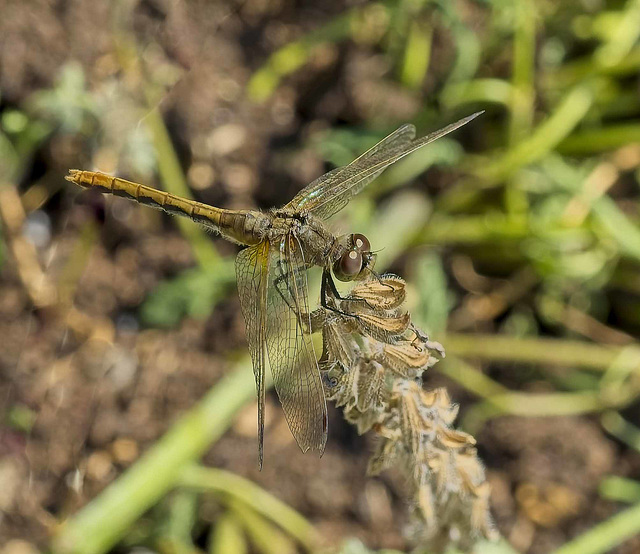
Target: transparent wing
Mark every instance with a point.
(330, 193)
(252, 274)
(291, 355)
(310, 199)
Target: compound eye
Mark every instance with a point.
(361, 243)
(348, 266)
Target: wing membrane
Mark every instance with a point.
(252, 274)
(330, 193)
(291, 355)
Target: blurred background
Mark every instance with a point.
(122, 342)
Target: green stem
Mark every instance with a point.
(606, 535)
(174, 181)
(471, 378)
(480, 91)
(417, 55)
(620, 227)
(266, 538)
(169, 167)
(546, 136)
(620, 489)
(522, 97)
(534, 405)
(226, 483)
(534, 350)
(295, 54)
(227, 536)
(620, 428)
(490, 227)
(547, 404)
(594, 141)
(98, 526)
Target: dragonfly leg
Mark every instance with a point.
(337, 296)
(287, 293)
(283, 287)
(310, 322)
(327, 283)
(377, 276)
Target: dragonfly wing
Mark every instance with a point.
(312, 195)
(330, 193)
(252, 274)
(291, 354)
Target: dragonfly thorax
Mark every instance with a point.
(317, 243)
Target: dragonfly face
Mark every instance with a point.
(272, 271)
(357, 261)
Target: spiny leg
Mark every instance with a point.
(327, 282)
(277, 282)
(326, 275)
(284, 288)
(379, 279)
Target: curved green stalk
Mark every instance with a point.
(536, 350)
(606, 535)
(219, 481)
(99, 525)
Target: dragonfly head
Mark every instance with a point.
(356, 260)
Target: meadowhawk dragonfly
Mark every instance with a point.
(280, 246)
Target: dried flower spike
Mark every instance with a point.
(372, 364)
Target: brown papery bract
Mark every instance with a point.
(372, 364)
(385, 293)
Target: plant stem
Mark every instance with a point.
(522, 92)
(174, 182)
(594, 141)
(534, 350)
(98, 526)
(568, 113)
(606, 535)
(223, 482)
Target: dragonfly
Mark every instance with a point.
(279, 246)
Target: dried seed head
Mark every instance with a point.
(455, 440)
(372, 364)
(385, 293)
(338, 345)
(383, 328)
(406, 358)
(371, 386)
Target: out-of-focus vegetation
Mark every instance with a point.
(519, 237)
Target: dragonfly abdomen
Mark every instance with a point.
(240, 226)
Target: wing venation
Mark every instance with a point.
(330, 193)
(252, 274)
(291, 354)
